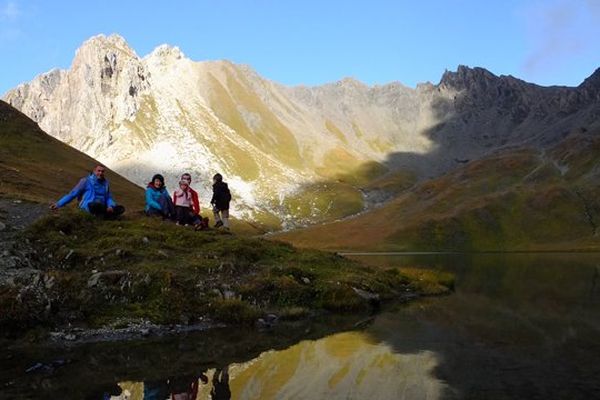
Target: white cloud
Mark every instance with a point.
(557, 30)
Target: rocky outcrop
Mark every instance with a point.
(81, 106)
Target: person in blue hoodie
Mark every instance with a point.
(94, 195)
(158, 199)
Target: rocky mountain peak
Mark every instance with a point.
(102, 43)
(467, 78)
(351, 82)
(593, 81)
(166, 52)
(102, 61)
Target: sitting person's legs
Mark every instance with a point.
(100, 210)
(195, 219)
(117, 211)
(182, 215)
(167, 207)
(153, 212)
(167, 210)
(97, 209)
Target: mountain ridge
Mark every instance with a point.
(276, 143)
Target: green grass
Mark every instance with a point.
(169, 274)
(324, 202)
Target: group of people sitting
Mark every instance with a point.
(95, 197)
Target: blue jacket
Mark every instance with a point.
(153, 197)
(89, 190)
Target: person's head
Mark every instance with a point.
(187, 177)
(184, 184)
(158, 181)
(218, 178)
(99, 171)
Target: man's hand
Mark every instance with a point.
(109, 210)
(53, 207)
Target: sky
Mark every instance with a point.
(548, 42)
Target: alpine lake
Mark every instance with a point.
(517, 326)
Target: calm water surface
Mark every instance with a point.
(519, 326)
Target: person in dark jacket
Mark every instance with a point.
(158, 200)
(220, 202)
(94, 196)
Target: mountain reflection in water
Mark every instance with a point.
(518, 326)
(344, 365)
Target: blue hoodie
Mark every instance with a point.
(89, 190)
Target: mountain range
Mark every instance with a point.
(296, 156)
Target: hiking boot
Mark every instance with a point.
(219, 224)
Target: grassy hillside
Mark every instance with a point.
(35, 166)
(94, 273)
(513, 200)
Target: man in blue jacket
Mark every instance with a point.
(93, 193)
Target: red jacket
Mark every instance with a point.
(195, 201)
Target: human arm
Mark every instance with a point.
(195, 203)
(75, 192)
(213, 200)
(110, 202)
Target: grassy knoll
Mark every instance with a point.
(101, 273)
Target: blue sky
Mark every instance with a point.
(313, 42)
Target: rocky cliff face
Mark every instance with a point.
(167, 113)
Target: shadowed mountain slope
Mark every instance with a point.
(523, 199)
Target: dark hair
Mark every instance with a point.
(160, 178)
(218, 177)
